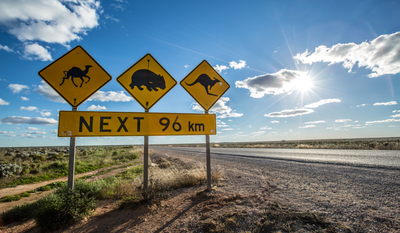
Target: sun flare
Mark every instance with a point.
(304, 83)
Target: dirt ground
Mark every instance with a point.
(242, 199)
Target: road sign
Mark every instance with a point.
(205, 85)
(95, 124)
(147, 81)
(75, 76)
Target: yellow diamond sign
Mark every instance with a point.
(146, 81)
(205, 85)
(75, 76)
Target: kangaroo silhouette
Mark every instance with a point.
(76, 72)
(206, 82)
(148, 79)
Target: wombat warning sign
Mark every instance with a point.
(147, 81)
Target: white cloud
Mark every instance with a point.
(16, 120)
(17, 88)
(220, 68)
(382, 121)
(290, 112)
(361, 105)
(283, 81)
(24, 98)
(221, 124)
(239, 65)
(380, 55)
(387, 103)
(36, 132)
(257, 133)
(265, 127)
(220, 108)
(5, 132)
(3, 102)
(96, 108)
(118, 6)
(397, 115)
(36, 52)
(27, 135)
(307, 126)
(114, 96)
(227, 129)
(32, 128)
(396, 111)
(342, 120)
(29, 108)
(322, 102)
(186, 66)
(46, 114)
(49, 93)
(314, 122)
(6, 48)
(110, 17)
(49, 21)
(274, 122)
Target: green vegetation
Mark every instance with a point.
(65, 207)
(26, 167)
(14, 197)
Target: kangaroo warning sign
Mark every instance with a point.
(205, 85)
(146, 81)
(75, 76)
(97, 124)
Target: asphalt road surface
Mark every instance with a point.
(389, 159)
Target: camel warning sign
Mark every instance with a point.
(205, 85)
(75, 76)
(147, 81)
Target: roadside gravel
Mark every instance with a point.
(363, 199)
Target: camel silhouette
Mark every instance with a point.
(76, 72)
(206, 82)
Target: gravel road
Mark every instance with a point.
(360, 189)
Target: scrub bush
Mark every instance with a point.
(66, 206)
(7, 170)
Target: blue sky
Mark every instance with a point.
(297, 69)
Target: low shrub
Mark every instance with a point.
(66, 206)
(7, 170)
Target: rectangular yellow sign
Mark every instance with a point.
(103, 124)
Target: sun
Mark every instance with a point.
(304, 83)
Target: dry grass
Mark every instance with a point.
(166, 174)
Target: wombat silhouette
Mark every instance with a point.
(147, 78)
(76, 72)
(206, 82)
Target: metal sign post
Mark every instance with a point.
(75, 76)
(72, 153)
(146, 165)
(206, 86)
(208, 160)
(147, 82)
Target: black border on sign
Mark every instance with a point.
(89, 94)
(205, 109)
(133, 95)
(162, 135)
